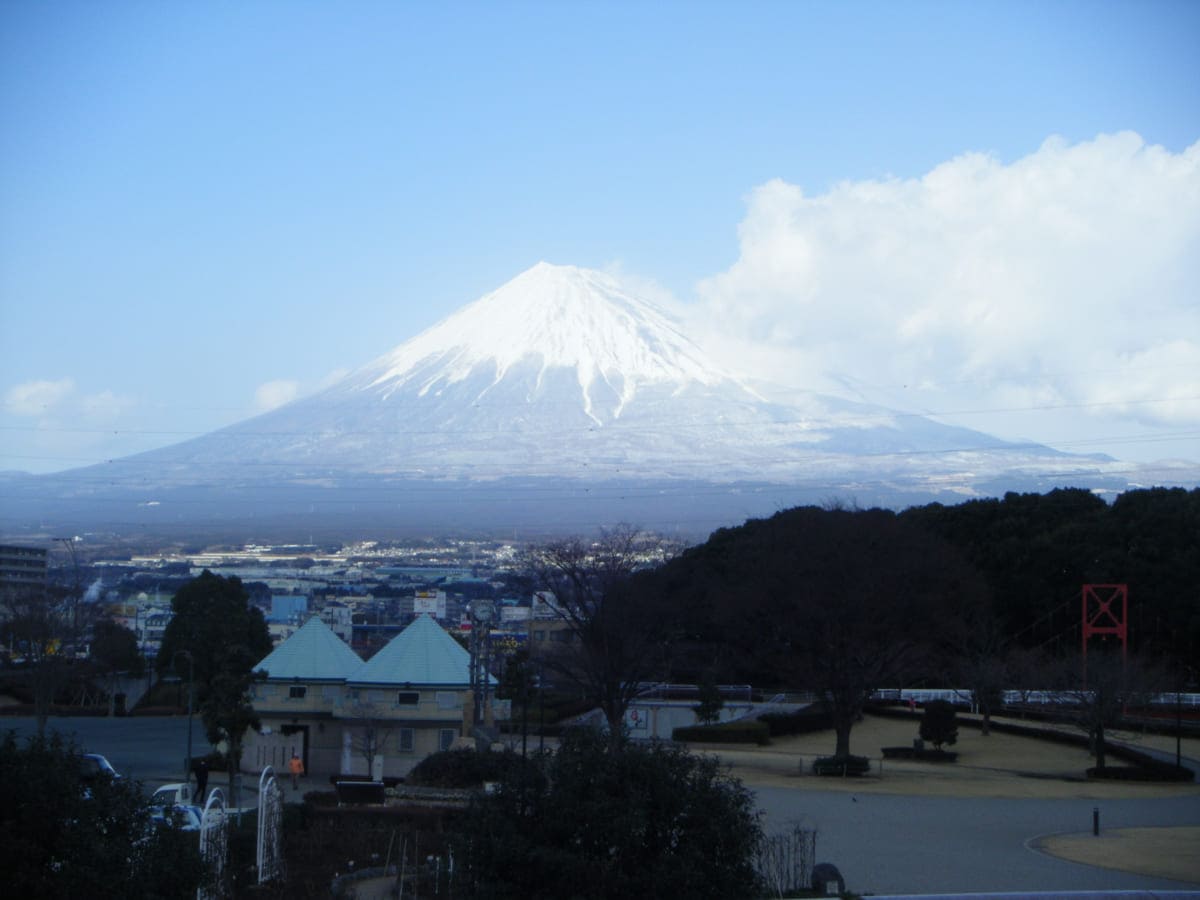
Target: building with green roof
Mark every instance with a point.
(320, 700)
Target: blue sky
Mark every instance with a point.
(207, 208)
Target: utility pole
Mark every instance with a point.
(482, 612)
(69, 543)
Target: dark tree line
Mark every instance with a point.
(835, 602)
(985, 596)
(1035, 551)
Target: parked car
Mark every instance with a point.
(93, 766)
(178, 793)
(182, 816)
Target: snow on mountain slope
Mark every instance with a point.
(560, 317)
(563, 373)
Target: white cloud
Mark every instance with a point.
(274, 394)
(332, 377)
(1066, 278)
(37, 398)
(105, 406)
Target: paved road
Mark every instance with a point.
(897, 844)
(148, 748)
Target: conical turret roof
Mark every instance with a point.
(314, 653)
(422, 654)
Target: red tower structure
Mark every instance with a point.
(1099, 616)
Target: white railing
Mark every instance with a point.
(270, 827)
(214, 843)
(962, 697)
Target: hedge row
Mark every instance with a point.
(922, 755)
(467, 768)
(841, 765)
(741, 732)
(1137, 773)
(804, 721)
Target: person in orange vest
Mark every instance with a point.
(296, 767)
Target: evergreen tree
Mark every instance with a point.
(939, 724)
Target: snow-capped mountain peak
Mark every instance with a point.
(560, 397)
(553, 318)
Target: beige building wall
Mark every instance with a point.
(321, 722)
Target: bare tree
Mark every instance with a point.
(1102, 687)
(618, 634)
(371, 734)
(1030, 671)
(981, 665)
(45, 623)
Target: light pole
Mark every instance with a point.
(187, 772)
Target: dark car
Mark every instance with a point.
(93, 766)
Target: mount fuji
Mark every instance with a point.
(560, 401)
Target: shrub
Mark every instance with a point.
(744, 732)
(939, 724)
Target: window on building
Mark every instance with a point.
(408, 698)
(446, 738)
(449, 700)
(297, 691)
(405, 739)
(539, 634)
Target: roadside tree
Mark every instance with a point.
(214, 622)
(212, 615)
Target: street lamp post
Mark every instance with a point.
(187, 772)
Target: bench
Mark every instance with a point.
(359, 792)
